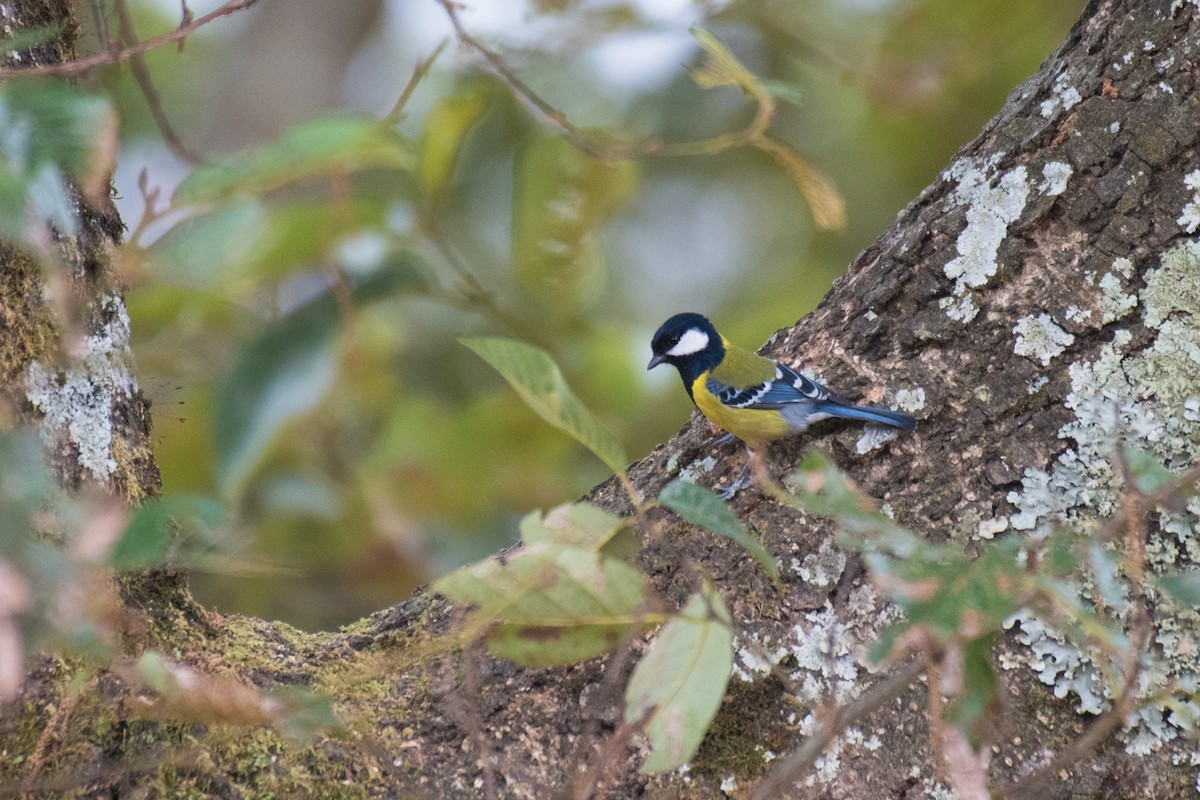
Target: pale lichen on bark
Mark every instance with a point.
(78, 401)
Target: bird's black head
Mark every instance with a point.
(688, 342)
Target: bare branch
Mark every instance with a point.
(141, 74)
(83, 65)
(586, 142)
(418, 74)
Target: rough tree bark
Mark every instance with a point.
(1041, 294)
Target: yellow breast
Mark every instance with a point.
(754, 427)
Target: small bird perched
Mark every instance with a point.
(753, 398)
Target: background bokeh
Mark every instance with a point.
(362, 448)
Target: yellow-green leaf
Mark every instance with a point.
(446, 128)
(541, 385)
(550, 604)
(561, 200)
(676, 688)
(581, 525)
(721, 68)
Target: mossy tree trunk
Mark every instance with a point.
(1037, 301)
(84, 396)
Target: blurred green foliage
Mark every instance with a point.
(49, 130)
(296, 305)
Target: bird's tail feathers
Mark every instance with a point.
(896, 419)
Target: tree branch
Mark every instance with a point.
(141, 74)
(83, 65)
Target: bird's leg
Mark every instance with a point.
(726, 439)
(758, 465)
(743, 477)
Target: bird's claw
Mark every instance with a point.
(726, 439)
(729, 491)
(743, 480)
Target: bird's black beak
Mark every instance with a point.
(654, 362)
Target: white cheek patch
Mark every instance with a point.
(691, 342)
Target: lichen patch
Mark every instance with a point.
(1040, 338)
(1189, 220)
(1146, 397)
(992, 205)
(77, 402)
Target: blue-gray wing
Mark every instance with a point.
(787, 387)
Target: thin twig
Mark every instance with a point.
(790, 768)
(471, 293)
(141, 74)
(340, 218)
(1165, 494)
(185, 17)
(82, 65)
(934, 709)
(101, 22)
(549, 115)
(591, 145)
(419, 71)
(52, 730)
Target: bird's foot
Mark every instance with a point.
(726, 439)
(743, 480)
(730, 491)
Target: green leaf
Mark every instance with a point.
(47, 131)
(287, 370)
(701, 507)
(1183, 587)
(13, 201)
(445, 131)
(1149, 473)
(786, 91)
(335, 145)
(160, 526)
(296, 236)
(561, 200)
(207, 250)
(280, 375)
(959, 597)
(1106, 575)
(822, 489)
(398, 272)
(541, 385)
(581, 525)
(49, 122)
(678, 685)
(550, 604)
(301, 714)
(981, 689)
(29, 494)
